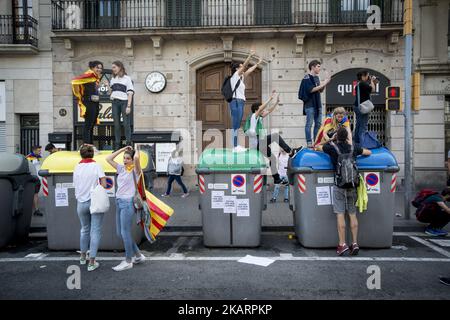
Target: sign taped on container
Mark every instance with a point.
(243, 207)
(217, 199)
(238, 184)
(229, 204)
(61, 197)
(110, 187)
(372, 180)
(323, 196)
(218, 186)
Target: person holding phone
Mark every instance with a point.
(365, 87)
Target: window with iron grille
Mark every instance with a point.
(29, 133)
(377, 120)
(182, 13)
(273, 12)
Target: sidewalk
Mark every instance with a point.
(278, 216)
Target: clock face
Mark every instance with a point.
(155, 82)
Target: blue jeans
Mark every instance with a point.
(173, 177)
(315, 114)
(124, 221)
(276, 190)
(362, 122)
(91, 228)
(237, 112)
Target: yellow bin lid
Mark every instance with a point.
(65, 162)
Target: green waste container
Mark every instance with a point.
(63, 225)
(232, 197)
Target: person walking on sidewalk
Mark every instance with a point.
(122, 91)
(343, 156)
(239, 72)
(175, 171)
(86, 177)
(85, 89)
(127, 177)
(34, 159)
(309, 93)
(283, 159)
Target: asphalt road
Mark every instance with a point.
(179, 267)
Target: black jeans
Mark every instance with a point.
(119, 109)
(439, 219)
(178, 180)
(90, 120)
(266, 150)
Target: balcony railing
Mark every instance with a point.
(18, 30)
(139, 14)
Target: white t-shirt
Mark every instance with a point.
(282, 164)
(120, 87)
(240, 91)
(85, 178)
(251, 132)
(125, 183)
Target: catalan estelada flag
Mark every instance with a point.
(78, 89)
(155, 213)
(326, 126)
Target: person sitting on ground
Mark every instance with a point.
(330, 126)
(34, 158)
(259, 140)
(433, 210)
(50, 148)
(344, 191)
(283, 159)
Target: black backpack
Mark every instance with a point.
(347, 175)
(226, 90)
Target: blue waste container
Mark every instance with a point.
(311, 174)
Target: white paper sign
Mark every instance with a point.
(328, 180)
(217, 201)
(323, 196)
(61, 197)
(163, 151)
(238, 184)
(229, 204)
(221, 186)
(67, 185)
(243, 207)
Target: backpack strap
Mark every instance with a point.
(238, 83)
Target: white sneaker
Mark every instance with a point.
(92, 267)
(184, 195)
(139, 259)
(239, 149)
(124, 265)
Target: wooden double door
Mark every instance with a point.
(212, 109)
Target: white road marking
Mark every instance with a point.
(432, 246)
(284, 257)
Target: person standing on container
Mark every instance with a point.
(127, 177)
(85, 89)
(239, 72)
(86, 176)
(309, 93)
(366, 85)
(122, 91)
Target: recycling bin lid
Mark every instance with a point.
(227, 160)
(62, 162)
(13, 164)
(380, 159)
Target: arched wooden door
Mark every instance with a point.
(213, 110)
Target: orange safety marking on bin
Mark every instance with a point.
(394, 182)
(201, 183)
(301, 181)
(257, 183)
(45, 187)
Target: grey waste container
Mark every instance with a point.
(17, 189)
(63, 225)
(312, 175)
(230, 180)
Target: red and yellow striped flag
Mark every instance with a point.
(78, 89)
(159, 212)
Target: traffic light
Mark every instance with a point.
(415, 102)
(393, 99)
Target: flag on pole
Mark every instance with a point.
(155, 213)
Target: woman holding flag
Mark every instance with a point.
(330, 127)
(127, 175)
(85, 90)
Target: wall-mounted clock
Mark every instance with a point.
(155, 82)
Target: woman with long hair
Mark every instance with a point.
(331, 125)
(122, 91)
(127, 175)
